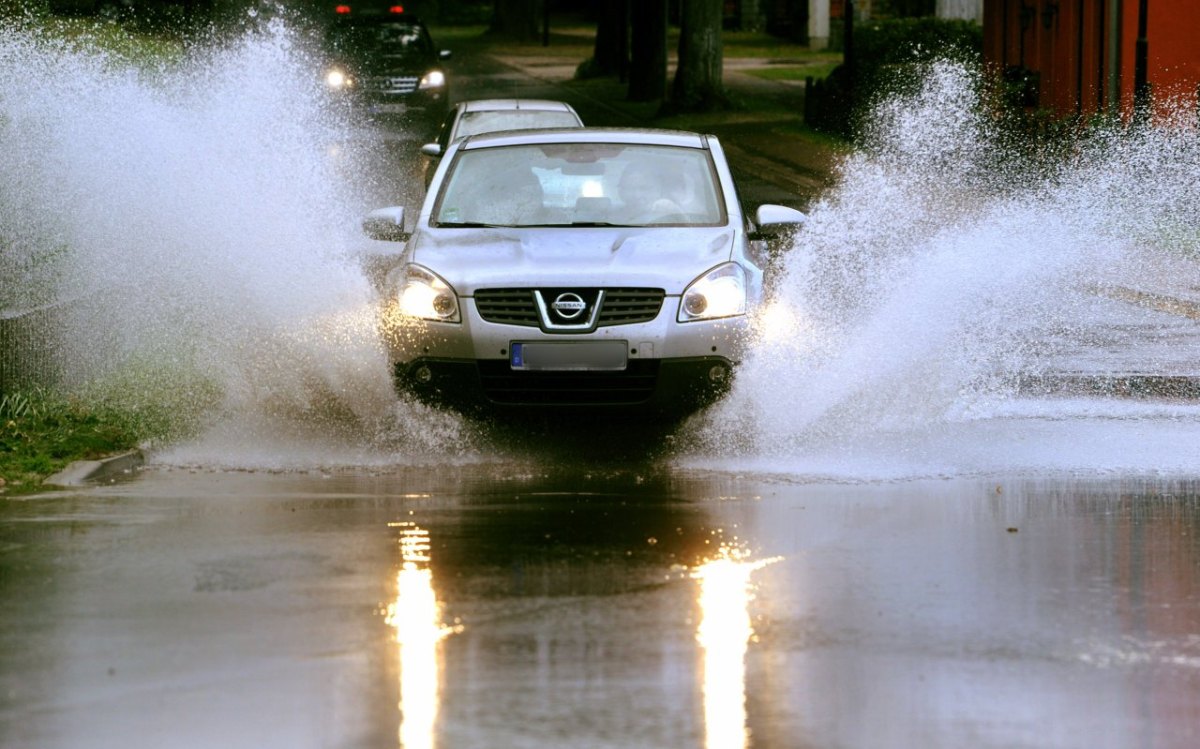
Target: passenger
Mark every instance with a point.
(646, 196)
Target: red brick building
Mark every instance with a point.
(1088, 56)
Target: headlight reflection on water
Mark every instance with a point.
(416, 617)
(725, 631)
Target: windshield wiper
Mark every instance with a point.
(565, 224)
(560, 225)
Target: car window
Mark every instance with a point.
(562, 184)
(390, 39)
(473, 123)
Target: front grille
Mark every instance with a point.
(390, 84)
(636, 384)
(507, 306)
(518, 306)
(628, 306)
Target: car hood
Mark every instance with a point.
(387, 65)
(666, 258)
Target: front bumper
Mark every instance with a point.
(646, 386)
(423, 109)
(666, 367)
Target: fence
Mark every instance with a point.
(29, 342)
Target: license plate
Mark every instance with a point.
(603, 356)
(387, 108)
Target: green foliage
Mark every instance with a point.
(42, 430)
(11, 9)
(909, 40)
(122, 43)
(159, 404)
(464, 12)
(904, 8)
(132, 41)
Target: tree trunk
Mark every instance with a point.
(648, 67)
(516, 19)
(698, 79)
(610, 55)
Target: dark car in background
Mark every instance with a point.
(386, 67)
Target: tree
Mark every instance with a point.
(699, 85)
(610, 54)
(648, 67)
(516, 19)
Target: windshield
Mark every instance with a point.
(573, 184)
(473, 123)
(369, 40)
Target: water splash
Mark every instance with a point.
(936, 275)
(194, 218)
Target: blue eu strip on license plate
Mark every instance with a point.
(518, 360)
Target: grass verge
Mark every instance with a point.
(42, 430)
(785, 72)
(121, 43)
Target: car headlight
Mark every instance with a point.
(337, 79)
(719, 293)
(432, 79)
(426, 296)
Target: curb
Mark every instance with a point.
(1160, 302)
(84, 472)
(1132, 386)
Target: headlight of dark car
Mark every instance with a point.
(432, 79)
(338, 79)
(721, 292)
(424, 295)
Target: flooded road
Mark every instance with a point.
(519, 605)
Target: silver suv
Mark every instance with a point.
(574, 268)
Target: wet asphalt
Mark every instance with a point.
(519, 605)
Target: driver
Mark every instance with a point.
(512, 198)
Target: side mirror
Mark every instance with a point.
(776, 215)
(776, 222)
(774, 227)
(432, 150)
(386, 224)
